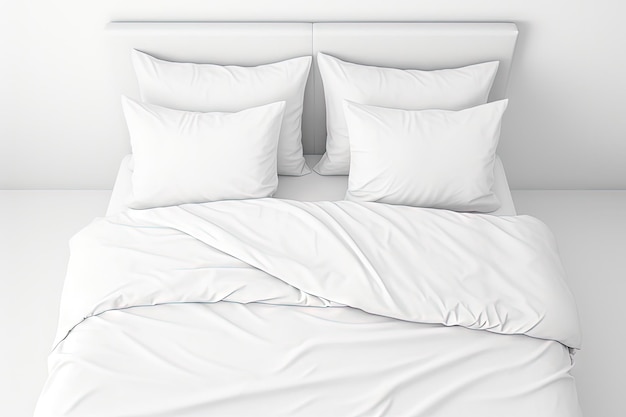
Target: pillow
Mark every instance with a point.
(208, 87)
(189, 157)
(450, 89)
(426, 158)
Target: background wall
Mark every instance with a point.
(565, 126)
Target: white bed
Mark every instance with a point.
(304, 304)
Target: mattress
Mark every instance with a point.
(311, 187)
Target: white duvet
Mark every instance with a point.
(330, 308)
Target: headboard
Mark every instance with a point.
(399, 45)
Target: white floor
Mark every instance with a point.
(35, 227)
(590, 227)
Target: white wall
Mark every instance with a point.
(565, 127)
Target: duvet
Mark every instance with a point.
(281, 308)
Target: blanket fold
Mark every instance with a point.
(500, 274)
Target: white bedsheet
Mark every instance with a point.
(311, 187)
(264, 346)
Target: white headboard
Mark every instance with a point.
(400, 45)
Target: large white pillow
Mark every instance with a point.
(190, 157)
(424, 158)
(450, 89)
(208, 87)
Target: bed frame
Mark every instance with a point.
(400, 45)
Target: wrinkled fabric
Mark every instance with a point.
(281, 308)
(483, 272)
(230, 359)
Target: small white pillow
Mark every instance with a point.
(429, 158)
(449, 89)
(208, 87)
(188, 157)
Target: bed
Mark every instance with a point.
(286, 273)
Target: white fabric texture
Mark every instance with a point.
(230, 359)
(268, 351)
(500, 274)
(424, 158)
(448, 89)
(312, 187)
(210, 88)
(191, 157)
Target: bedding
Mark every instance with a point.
(191, 157)
(230, 88)
(279, 307)
(448, 89)
(426, 158)
(312, 187)
(286, 308)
